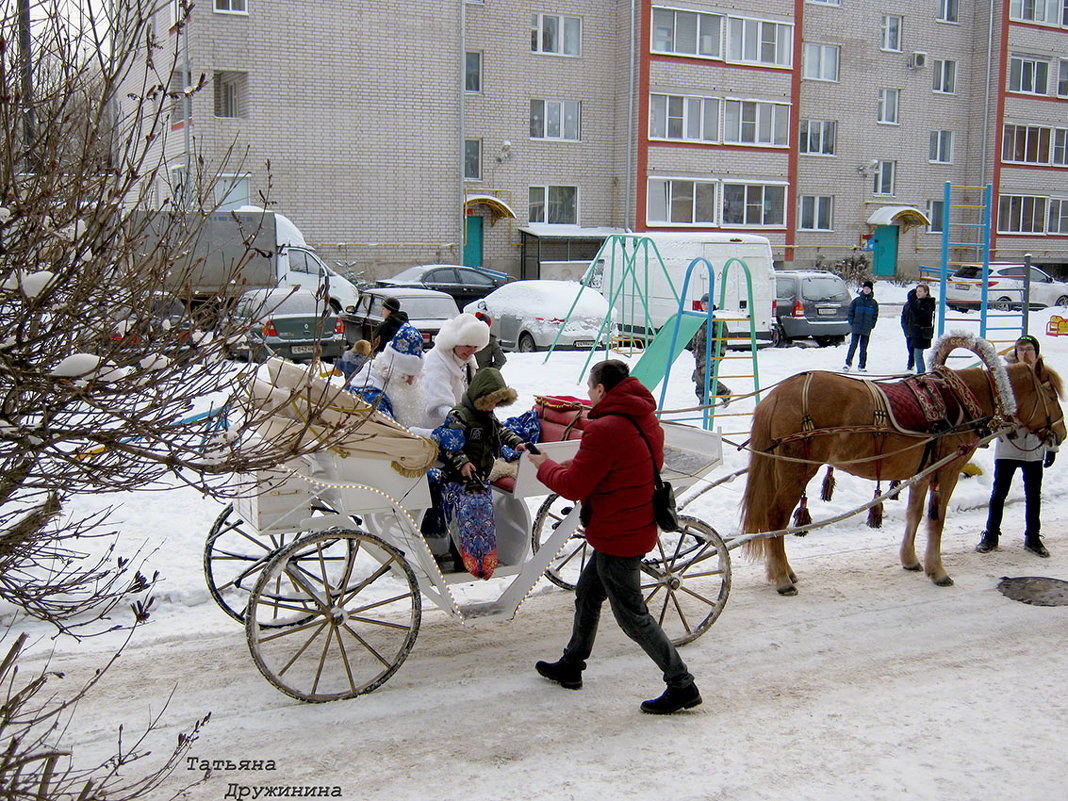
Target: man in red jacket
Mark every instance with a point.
(612, 474)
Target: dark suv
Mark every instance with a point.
(811, 303)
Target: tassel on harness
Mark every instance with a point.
(875, 513)
(802, 516)
(827, 490)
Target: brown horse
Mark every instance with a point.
(833, 420)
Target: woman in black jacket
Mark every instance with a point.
(917, 319)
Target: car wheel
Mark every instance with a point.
(1062, 301)
(1003, 304)
(778, 337)
(526, 343)
(823, 342)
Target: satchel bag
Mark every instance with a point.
(665, 512)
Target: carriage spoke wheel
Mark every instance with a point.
(686, 579)
(565, 568)
(234, 555)
(354, 611)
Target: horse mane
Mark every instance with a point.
(1054, 379)
(987, 353)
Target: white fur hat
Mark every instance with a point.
(464, 329)
(404, 353)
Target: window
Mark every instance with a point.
(1058, 216)
(1021, 214)
(693, 119)
(1060, 147)
(750, 122)
(817, 137)
(230, 92)
(1035, 10)
(557, 35)
(944, 76)
(1025, 144)
(754, 204)
(231, 6)
(883, 178)
(941, 147)
(555, 119)
(553, 204)
(181, 98)
(676, 201)
(178, 176)
(1062, 72)
(473, 72)
(231, 192)
(821, 62)
(891, 34)
(887, 111)
(1028, 75)
(687, 33)
(472, 159)
(825, 2)
(935, 211)
(947, 10)
(816, 213)
(756, 41)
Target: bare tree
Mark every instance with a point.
(112, 375)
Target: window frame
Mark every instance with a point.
(805, 132)
(673, 200)
(891, 33)
(478, 159)
(776, 127)
(932, 215)
(944, 143)
(748, 204)
(537, 34)
(941, 68)
(943, 13)
(715, 18)
(1024, 61)
(885, 173)
(881, 115)
(1062, 67)
(233, 84)
(1032, 136)
(808, 50)
(1040, 213)
(468, 73)
(231, 180)
(243, 11)
(1061, 214)
(737, 54)
(562, 117)
(816, 202)
(546, 202)
(686, 119)
(1052, 11)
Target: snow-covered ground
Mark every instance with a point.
(872, 683)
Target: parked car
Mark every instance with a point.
(464, 284)
(527, 315)
(1005, 288)
(811, 303)
(294, 324)
(427, 309)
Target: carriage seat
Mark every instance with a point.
(561, 417)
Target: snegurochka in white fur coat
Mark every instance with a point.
(450, 365)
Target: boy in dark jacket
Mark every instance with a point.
(466, 499)
(863, 314)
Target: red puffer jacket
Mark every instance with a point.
(612, 471)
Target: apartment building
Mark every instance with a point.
(507, 133)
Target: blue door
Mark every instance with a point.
(473, 245)
(884, 258)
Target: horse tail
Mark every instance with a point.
(760, 485)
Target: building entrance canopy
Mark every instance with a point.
(907, 216)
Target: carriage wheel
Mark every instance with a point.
(355, 611)
(686, 579)
(234, 555)
(564, 570)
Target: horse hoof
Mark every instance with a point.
(793, 576)
(790, 590)
(914, 567)
(945, 581)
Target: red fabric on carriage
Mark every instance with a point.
(940, 408)
(558, 415)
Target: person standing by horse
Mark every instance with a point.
(1030, 454)
(612, 474)
(863, 314)
(917, 318)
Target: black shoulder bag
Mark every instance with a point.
(664, 512)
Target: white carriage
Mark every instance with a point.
(325, 564)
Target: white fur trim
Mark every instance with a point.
(464, 329)
(985, 351)
(403, 363)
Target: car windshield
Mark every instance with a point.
(968, 272)
(824, 288)
(429, 308)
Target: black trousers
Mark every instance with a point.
(1004, 470)
(617, 578)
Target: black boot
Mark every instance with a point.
(988, 543)
(566, 674)
(673, 699)
(1035, 546)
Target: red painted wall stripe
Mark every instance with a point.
(999, 123)
(641, 166)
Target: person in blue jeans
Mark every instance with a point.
(863, 314)
(917, 321)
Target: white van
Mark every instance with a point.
(677, 251)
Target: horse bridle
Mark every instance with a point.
(1045, 433)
